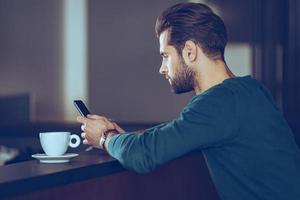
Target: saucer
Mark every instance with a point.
(54, 159)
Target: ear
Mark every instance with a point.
(189, 52)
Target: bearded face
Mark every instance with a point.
(180, 76)
(184, 78)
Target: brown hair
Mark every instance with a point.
(196, 22)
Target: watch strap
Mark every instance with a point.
(102, 140)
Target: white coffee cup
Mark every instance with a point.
(57, 143)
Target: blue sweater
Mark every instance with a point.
(248, 146)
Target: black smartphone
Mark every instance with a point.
(83, 110)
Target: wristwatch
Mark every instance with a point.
(103, 139)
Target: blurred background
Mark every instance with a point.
(106, 53)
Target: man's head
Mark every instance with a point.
(181, 28)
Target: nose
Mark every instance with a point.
(163, 69)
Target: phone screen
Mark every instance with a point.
(83, 110)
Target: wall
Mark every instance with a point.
(30, 53)
(291, 71)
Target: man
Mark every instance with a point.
(248, 146)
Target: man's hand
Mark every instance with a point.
(93, 126)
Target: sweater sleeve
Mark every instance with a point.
(208, 120)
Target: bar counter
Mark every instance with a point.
(96, 175)
(32, 175)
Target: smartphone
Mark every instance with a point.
(83, 110)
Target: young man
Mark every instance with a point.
(249, 148)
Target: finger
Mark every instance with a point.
(119, 129)
(83, 127)
(95, 117)
(85, 141)
(82, 119)
(110, 125)
(83, 135)
(111, 120)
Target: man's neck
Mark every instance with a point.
(211, 74)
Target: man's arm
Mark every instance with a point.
(206, 122)
(112, 133)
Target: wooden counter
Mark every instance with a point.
(95, 175)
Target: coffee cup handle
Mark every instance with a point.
(77, 143)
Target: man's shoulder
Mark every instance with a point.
(218, 92)
(216, 98)
(230, 87)
(225, 94)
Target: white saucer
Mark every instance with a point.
(54, 159)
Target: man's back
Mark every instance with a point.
(262, 161)
(249, 148)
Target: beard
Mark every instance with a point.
(183, 80)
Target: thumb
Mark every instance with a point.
(118, 128)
